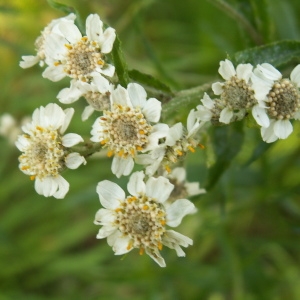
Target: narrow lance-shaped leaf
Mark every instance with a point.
(276, 54)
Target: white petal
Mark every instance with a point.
(70, 31)
(174, 240)
(105, 231)
(29, 61)
(283, 128)
(177, 210)
(136, 185)
(105, 217)
(55, 49)
(159, 188)
(260, 116)
(120, 96)
(226, 115)
(244, 71)
(56, 115)
(207, 101)
(101, 83)
(268, 134)
(156, 257)
(93, 27)
(110, 194)
(69, 95)
(119, 243)
(217, 88)
(137, 95)
(152, 110)
(269, 71)
(203, 113)
(87, 112)
(69, 112)
(179, 174)
(71, 139)
(122, 166)
(226, 69)
(108, 40)
(175, 133)
(46, 187)
(108, 70)
(54, 73)
(295, 75)
(63, 187)
(193, 189)
(74, 160)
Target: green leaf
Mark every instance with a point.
(68, 10)
(228, 141)
(277, 54)
(260, 149)
(120, 63)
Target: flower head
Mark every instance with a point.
(279, 104)
(46, 150)
(236, 93)
(139, 220)
(30, 60)
(79, 57)
(97, 94)
(177, 143)
(127, 128)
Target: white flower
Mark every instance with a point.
(177, 143)
(236, 93)
(126, 129)
(30, 60)
(96, 94)
(139, 220)
(182, 188)
(279, 102)
(79, 57)
(45, 150)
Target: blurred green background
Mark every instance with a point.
(246, 233)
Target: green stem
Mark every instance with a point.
(87, 149)
(186, 98)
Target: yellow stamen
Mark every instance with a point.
(84, 38)
(103, 142)
(179, 152)
(139, 148)
(132, 152)
(191, 149)
(25, 168)
(57, 63)
(142, 251)
(145, 207)
(141, 132)
(121, 153)
(163, 222)
(68, 46)
(39, 128)
(110, 153)
(129, 246)
(159, 246)
(201, 146)
(100, 62)
(168, 169)
(32, 177)
(118, 209)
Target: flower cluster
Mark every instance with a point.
(129, 129)
(272, 100)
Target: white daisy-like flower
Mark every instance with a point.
(279, 103)
(30, 60)
(182, 188)
(139, 220)
(178, 141)
(210, 110)
(46, 150)
(127, 128)
(97, 94)
(79, 57)
(236, 93)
